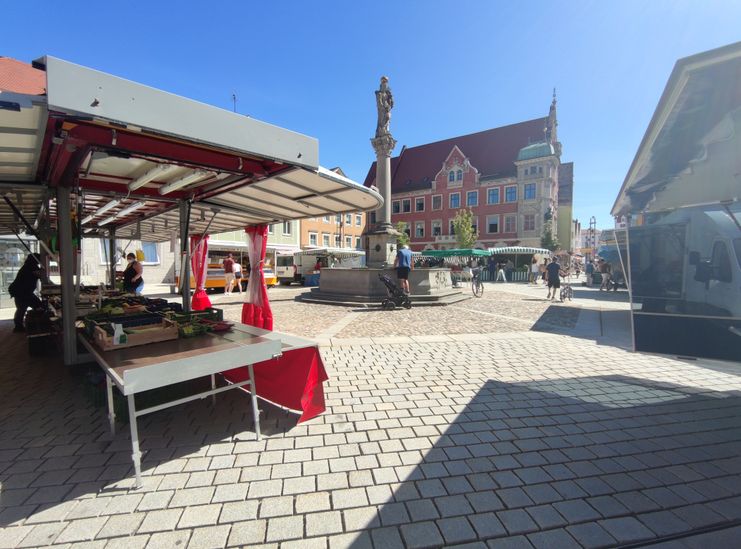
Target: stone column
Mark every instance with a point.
(383, 146)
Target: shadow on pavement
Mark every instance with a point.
(597, 461)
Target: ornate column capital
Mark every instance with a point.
(383, 145)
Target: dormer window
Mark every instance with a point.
(459, 175)
(451, 176)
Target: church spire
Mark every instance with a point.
(552, 125)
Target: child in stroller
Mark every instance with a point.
(396, 297)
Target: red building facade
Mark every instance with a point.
(508, 177)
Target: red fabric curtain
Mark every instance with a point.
(256, 309)
(199, 265)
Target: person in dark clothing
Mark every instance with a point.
(133, 283)
(553, 277)
(23, 289)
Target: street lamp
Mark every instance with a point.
(592, 240)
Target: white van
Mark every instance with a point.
(285, 268)
(304, 262)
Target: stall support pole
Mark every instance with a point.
(255, 409)
(185, 260)
(112, 256)
(136, 455)
(111, 407)
(66, 266)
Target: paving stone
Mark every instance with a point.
(310, 543)
(285, 528)
(210, 537)
(421, 534)
(422, 509)
(591, 535)
(168, 540)
(517, 521)
(553, 539)
(157, 521)
(309, 503)
(247, 533)
(328, 522)
(663, 523)
(576, 510)
(361, 518)
(626, 529)
(238, 511)
(121, 525)
(512, 542)
(355, 540)
(276, 507)
(388, 538)
(81, 530)
(450, 506)
(546, 516)
(129, 542)
(455, 530)
(265, 488)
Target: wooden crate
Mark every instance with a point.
(151, 333)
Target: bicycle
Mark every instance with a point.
(477, 286)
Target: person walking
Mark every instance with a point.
(500, 273)
(23, 289)
(509, 269)
(543, 267)
(605, 270)
(133, 283)
(491, 267)
(589, 270)
(403, 265)
(553, 278)
(238, 275)
(534, 271)
(228, 265)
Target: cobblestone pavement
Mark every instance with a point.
(525, 439)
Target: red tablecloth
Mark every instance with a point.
(293, 380)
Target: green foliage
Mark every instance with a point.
(548, 240)
(463, 227)
(403, 238)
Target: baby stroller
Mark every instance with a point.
(396, 297)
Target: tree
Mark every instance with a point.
(548, 241)
(403, 238)
(465, 234)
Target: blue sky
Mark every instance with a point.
(454, 67)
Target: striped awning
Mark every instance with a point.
(519, 250)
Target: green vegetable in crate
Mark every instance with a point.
(187, 330)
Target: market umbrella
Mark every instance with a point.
(199, 264)
(256, 309)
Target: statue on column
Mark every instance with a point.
(384, 103)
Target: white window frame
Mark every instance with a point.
(499, 223)
(396, 206)
(271, 229)
(506, 201)
(325, 240)
(348, 219)
(358, 220)
(450, 201)
(287, 224)
(524, 222)
(439, 223)
(316, 239)
(510, 216)
(499, 195)
(450, 226)
(348, 242)
(325, 219)
(422, 198)
(156, 250)
(403, 201)
(524, 191)
(470, 193)
(417, 225)
(337, 240)
(432, 202)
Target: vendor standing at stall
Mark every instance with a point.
(133, 283)
(23, 289)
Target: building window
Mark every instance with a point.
(271, 229)
(406, 205)
(358, 220)
(475, 225)
(325, 239)
(312, 239)
(419, 204)
(510, 224)
(373, 217)
(437, 202)
(348, 242)
(437, 228)
(105, 252)
(419, 229)
(338, 219)
(287, 228)
(528, 222)
(459, 175)
(396, 207)
(326, 219)
(472, 198)
(357, 243)
(348, 219)
(455, 200)
(451, 228)
(337, 241)
(530, 191)
(492, 224)
(451, 176)
(492, 195)
(150, 252)
(540, 169)
(510, 194)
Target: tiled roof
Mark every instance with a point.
(17, 76)
(566, 183)
(492, 152)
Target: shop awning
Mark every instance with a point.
(132, 153)
(689, 155)
(456, 252)
(518, 250)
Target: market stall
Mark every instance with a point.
(104, 157)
